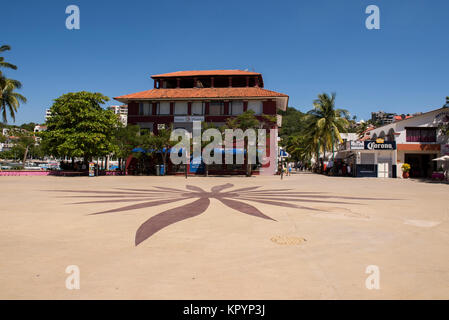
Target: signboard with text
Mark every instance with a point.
(357, 145)
(380, 145)
(189, 118)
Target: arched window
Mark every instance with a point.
(390, 136)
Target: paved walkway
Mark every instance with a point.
(307, 236)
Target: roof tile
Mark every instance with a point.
(206, 73)
(186, 93)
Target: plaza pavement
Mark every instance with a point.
(318, 252)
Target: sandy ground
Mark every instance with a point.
(400, 226)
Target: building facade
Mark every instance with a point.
(121, 112)
(418, 140)
(382, 117)
(47, 114)
(369, 158)
(40, 128)
(213, 96)
(180, 98)
(414, 140)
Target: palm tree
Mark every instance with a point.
(300, 148)
(10, 100)
(313, 138)
(328, 121)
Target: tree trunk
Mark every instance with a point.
(164, 155)
(24, 157)
(248, 165)
(282, 168)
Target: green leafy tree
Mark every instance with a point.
(23, 140)
(159, 143)
(126, 139)
(293, 122)
(36, 151)
(299, 135)
(299, 148)
(244, 121)
(312, 135)
(205, 126)
(28, 126)
(79, 127)
(6, 155)
(444, 128)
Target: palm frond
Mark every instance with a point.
(5, 47)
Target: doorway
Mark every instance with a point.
(421, 165)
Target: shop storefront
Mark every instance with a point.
(371, 158)
(418, 141)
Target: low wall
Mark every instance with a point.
(24, 173)
(55, 173)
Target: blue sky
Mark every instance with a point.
(302, 48)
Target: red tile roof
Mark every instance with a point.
(205, 93)
(364, 138)
(206, 73)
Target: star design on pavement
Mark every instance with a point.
(236, 199)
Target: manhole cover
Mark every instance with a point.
(288, 240)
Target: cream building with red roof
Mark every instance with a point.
(213, 96)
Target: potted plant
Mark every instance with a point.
(405, 170)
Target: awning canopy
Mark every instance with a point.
(443, 158)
